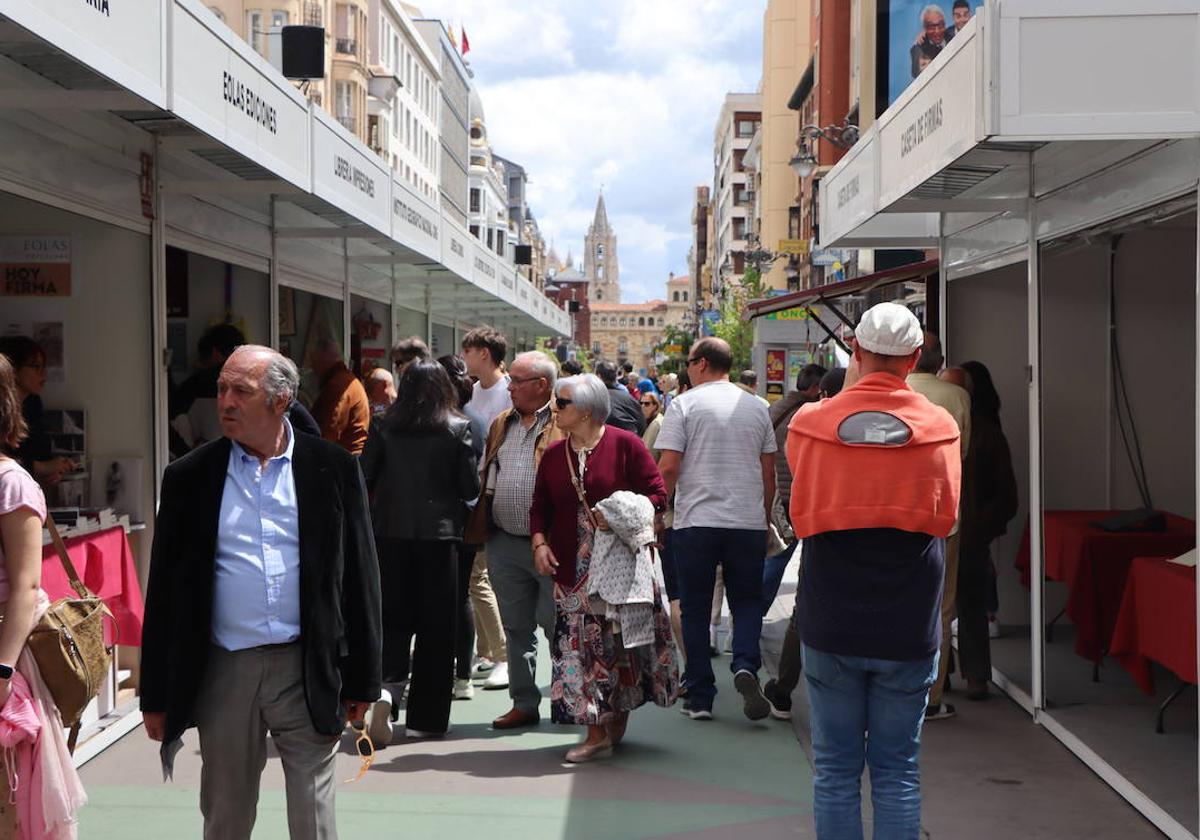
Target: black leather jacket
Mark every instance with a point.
(420, 483)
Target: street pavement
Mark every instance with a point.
(990, 773)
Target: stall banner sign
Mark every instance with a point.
(934, 125)
(799, 247)
(458, 252)
(228, 91)
(776, 365)
(917, 32)
(35, 266)
(348, 175)
(414, 222)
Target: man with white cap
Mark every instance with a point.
(876, 497)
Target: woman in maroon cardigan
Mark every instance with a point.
(596, 681)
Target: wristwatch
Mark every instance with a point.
(6, 672)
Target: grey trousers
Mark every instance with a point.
(247, 694)
(526, 602)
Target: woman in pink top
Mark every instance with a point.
(41, 779)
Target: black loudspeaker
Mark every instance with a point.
(303, 52)
(572, 306)
(524, 255)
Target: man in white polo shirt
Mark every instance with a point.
(718, 458)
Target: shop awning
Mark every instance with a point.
(1021, 109)
(832, 291)
(160, 92)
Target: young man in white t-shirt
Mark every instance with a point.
(484, 349)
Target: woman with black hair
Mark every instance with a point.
(989, 502)
(420, 466)
(464, 636)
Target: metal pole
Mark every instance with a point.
(1036, 536)
(158, 328)
(273, 277)
(1196, 422)
(943, 282)
(346, 300)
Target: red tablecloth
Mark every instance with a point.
(1094, 564)
(1157, 621)
(105, 564)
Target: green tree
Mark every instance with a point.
(734, 325)
(675, 359)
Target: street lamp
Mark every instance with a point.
(804, 162)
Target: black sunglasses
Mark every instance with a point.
(562, 403)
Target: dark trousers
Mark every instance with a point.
(974, 582)
(464, 636)
(740, 554)
(419, 581)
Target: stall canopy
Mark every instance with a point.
(183, 118)
(1010, 121)
(823, 300)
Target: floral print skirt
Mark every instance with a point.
(593, 676)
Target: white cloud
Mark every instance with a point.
(623, 95)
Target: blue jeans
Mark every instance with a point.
(740, 553)
(868, 709)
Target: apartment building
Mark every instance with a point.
(700, 252)
(404, 103)
(740, 117)
(454, 118)
(487, 210)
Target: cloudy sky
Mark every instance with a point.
(621, 93)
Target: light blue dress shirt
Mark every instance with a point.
(256, 595)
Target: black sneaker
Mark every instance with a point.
(939, 712)
(755, 704)
(695, 712)
(781, 705)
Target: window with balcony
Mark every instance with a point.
(255, 35)
(746, 128)
(738, 154)
(346, 29)
(622, 346)
(739, 228)
(500, 242)
(313, 15)
(742, 196)
(476, 200)
(641, 322)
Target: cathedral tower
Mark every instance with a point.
(600, 259)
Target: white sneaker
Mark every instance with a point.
(417, 733)
(463, 690)
(498, 678)
(379, 720)
(482, 666)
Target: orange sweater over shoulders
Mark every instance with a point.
(841, 483)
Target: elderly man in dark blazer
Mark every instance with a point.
(263, 606)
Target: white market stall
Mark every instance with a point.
(1050, 153)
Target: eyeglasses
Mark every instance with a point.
(562, 403)
(512, 380)
(691, 362)
(649, 402)
(366, 750)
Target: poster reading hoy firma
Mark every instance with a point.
(918, 31)
(35, 266)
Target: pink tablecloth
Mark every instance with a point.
(105, 565)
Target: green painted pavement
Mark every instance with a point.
(673, 777)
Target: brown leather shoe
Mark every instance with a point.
(515, 718)
(589, 751)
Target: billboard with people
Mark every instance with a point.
(918, 31)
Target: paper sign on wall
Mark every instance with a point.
(35, 266)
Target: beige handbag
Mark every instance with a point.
(68, 645)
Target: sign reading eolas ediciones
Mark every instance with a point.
(242, 97)
(35, 266)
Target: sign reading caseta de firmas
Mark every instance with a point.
(351, 174)
(35, 266)
(922, 128)
(248, 102)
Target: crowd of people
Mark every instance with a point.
(400, 544)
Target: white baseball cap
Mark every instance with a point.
(890, 329)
